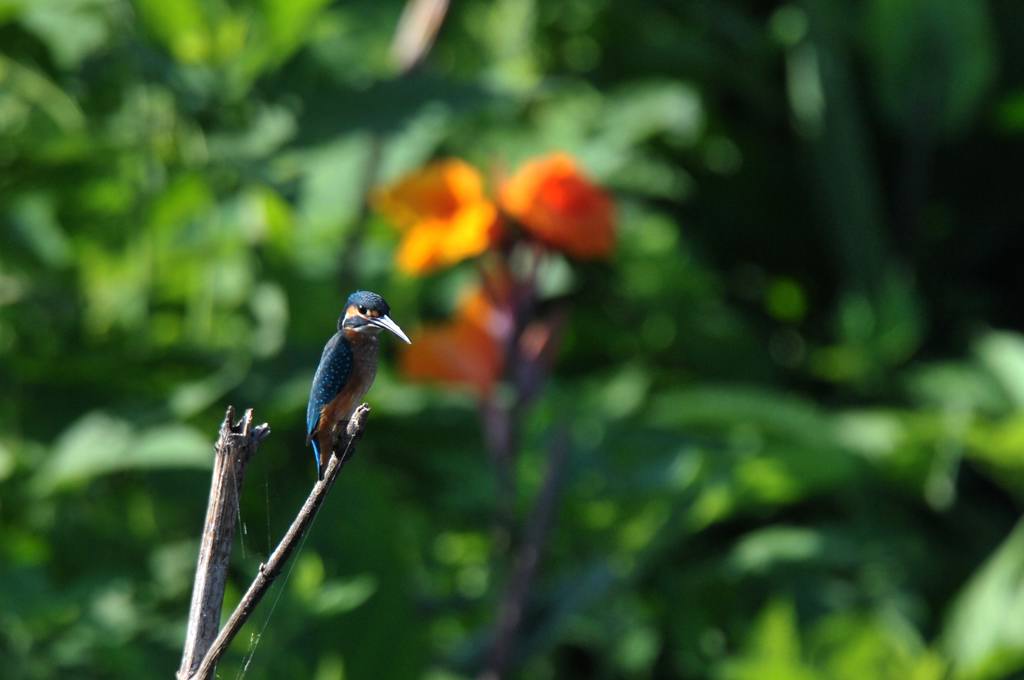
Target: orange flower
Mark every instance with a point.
(555, 202)
(467, 351)
(444, 213)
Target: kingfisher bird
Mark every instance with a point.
(347, 369)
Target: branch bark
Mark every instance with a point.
(235, 446)
(300, 525)
(417, 28)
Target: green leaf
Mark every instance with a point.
(773, 651)
(934, 61)
(336, 597)
(181, 26)
(761, 550)
(1003, 355)
(287, 24)
(984, 635)
(35, 219)
(72, 29)
(98, 444)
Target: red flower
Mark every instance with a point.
(444, 214)
(467, 351)
(555, 202)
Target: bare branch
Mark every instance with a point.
(272, 569)
(235, 447)
(417, 29)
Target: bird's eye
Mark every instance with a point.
(362, 310)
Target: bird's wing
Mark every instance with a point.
(331, 375)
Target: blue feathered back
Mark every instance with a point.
(331, 375)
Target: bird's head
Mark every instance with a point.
(367, 312)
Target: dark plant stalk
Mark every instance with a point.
(502, 425)
(520, 582)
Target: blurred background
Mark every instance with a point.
(778, 428)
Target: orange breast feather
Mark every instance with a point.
(341, 407)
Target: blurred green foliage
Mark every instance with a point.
(796, 414)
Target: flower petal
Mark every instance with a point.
(467, 351)
(436, 191)
(459, 353)
(556, 203)
(444, 213)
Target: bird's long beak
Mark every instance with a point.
(386, 322)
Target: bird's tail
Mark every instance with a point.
(316, 456)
